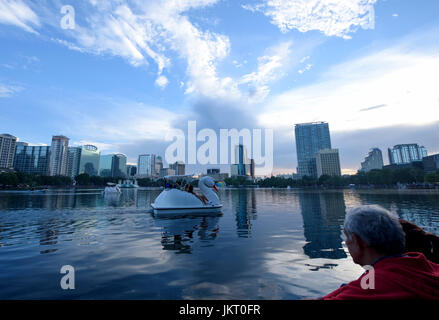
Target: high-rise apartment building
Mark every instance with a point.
(374, 160)
(7, 151)
(406, 153)
(310, 138)
(328, 163)
(59, 156)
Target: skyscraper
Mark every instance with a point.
(31, 159)
(406, 153)
(328, 163)
(113, 165)
(89, 160)
(310, 138)
(374, 160)
(146, 165)
(7, 151)
(58, 156)
(241, 166)
(119, 167)
(73, 161)
(106, 165)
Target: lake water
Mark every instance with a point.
(267, 244)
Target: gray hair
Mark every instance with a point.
(378, 227)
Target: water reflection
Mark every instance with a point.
(180, 233)
(323, 214)
(244, 202)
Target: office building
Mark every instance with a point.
(242, 164)
(31, 159)
(179, 168)
(59, 156)
(106, 165)
(373, 161)
(89, 160)
(158, 165)
(73, 161)
(119, 167)
(131, 170)
(328, 163)
(113, 165)
(146, 167)
(310, 138)
(406, 153)
(7, 151)
(431, 163)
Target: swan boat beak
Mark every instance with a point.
(215, 188)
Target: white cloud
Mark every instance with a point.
(270, 68)
(17, 13)
(7, 91)
(331, 17)
(162, 82)
(306, 68)
(402, 80)
(142, 31)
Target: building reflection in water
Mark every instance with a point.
(180, 233)
(244, 202)
(48, 232)
(323, 215)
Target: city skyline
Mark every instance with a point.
(322, 144)
(126, 75)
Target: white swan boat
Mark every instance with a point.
(112, 189)
(176, 201)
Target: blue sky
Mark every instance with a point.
(131, 71)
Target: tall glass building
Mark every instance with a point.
(89, 160)
(146, 165)
(113, 165)
(310, 138)
(32, 159)
(106, 165)
(73, 161)
(119, 167)
(241, 166)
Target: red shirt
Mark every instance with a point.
(410, 276)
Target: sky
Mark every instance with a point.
(129, 72)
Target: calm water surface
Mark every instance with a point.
(267, 244)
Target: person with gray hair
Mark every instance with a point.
(376, 240)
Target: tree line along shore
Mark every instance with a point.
(408, 177)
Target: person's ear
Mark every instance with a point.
(358, 242)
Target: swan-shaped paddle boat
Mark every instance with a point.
(112, 189)
(176, 201)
